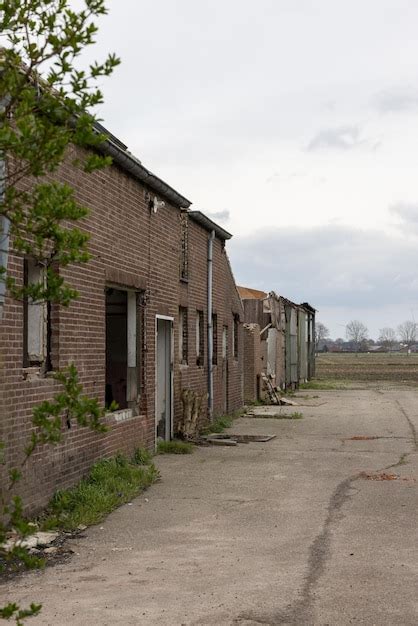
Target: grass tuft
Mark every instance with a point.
(175, 447)
(296, 415)
(219, 425)
(142, 456)
(110, 483)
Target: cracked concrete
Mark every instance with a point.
(281, 532)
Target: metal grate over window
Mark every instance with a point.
(183, 336)
(184, 262)
(215, 338)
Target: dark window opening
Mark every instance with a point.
(116, 347)
(200, 338)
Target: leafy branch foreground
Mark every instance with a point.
(46, 103)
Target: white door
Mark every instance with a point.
(164, 380)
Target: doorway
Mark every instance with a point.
(164, 379)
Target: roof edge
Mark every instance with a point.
(128, 162)
(208, 224)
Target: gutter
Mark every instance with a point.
(133, 166)
(209, 225)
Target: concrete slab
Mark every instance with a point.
(283, 532)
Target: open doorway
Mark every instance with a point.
(116, 347)
(164, 379)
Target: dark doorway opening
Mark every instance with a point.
(116, 347)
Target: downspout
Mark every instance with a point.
(4, 225)
(4, 240)
(210, 325)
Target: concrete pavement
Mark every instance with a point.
(298, 530)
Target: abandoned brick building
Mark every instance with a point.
(278, 342)
(157, 291)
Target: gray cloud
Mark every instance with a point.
(341, 138)
(397, 100)
(407, 212)
(331, 266)
(219, 216)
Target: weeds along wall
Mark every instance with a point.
(132, 249)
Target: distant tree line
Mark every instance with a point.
(357, 337)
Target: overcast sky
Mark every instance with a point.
(296, 123)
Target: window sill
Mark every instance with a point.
(35, 373)
(121, 415)
(184, 280)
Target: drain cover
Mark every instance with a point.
(243, 438)
(248, 438)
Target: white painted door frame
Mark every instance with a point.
(170, 319)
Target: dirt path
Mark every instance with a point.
(299, 530)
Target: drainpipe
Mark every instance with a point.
(210, 326)
(4, 226)
(4, 241)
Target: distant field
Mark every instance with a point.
(395, 368)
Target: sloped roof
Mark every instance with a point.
(247, 293)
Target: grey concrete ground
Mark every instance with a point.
(284, 532)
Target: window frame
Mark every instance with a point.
(44, 326)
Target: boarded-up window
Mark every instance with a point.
(183, 336)
(184, 260)
(200, 338)
(215, 339)
(37, 327)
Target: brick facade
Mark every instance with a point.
(252, 363)
(137, 249)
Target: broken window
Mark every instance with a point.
(235, 329)
(36, 320)
(214, 339)
(123, 353)
(184, 262)
(200, 338)
(183, 336)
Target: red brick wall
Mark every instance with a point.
(131, 247)
(252, 362)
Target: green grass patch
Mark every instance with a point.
(257, 403)
(296, 415)
(219, 424)
(110, 483)
(174, 447)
